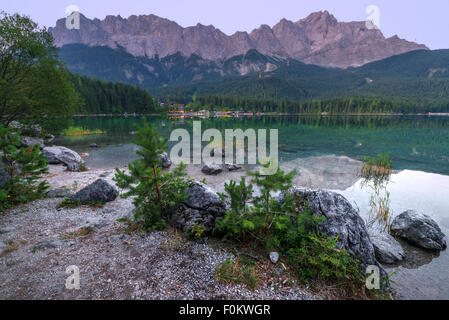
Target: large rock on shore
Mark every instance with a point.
(59, 193)
(212, 169)
(387, 249)
(342, 220)
(4, 177)
(419, 229)
(32, 141)
(58, 155)
(203, 207)
(33, 130)
(165, 160)
(99, 191)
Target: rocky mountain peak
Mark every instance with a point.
(320, 17)
(317, 39)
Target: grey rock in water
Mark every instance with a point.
(94, 145)
(32, 141)
(387, 249)
(99, 191)
(59, 193)
(274, 257)
(232, 167)
(4, 177)
(342, 220)
(419, 229)
(211, 169)
(58, 155)
(49, 138)
(165, 160)
(203, 207)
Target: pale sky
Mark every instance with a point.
(421, 21)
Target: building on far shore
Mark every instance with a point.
(223, 114)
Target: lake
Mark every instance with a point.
(327, 152)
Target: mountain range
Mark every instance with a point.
(175, 63)
(317, 39)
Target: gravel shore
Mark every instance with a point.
(42, 240)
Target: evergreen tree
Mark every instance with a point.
(155, 191)
(24, 166)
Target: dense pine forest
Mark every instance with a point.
(101, 97)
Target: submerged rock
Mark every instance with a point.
(58, 155)
(211, 169)
(99, 191)
(387, 249)
(203, 208)
(232, 167)
(419, 229)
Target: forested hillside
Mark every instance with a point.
(416, 81)
(101, 97)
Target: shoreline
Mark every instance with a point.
(115, 263)
(268, 114)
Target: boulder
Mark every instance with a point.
(32, 141)
(203, 207)
(4, 177)
(165, 161)
(99, 191)
(49, 138)
(232, 167)
(59, 193)
(94, 145)
(387, 249)
(57, 155)
(211, 169)
(274, 257)
(33, 130)
(342, 220)
(419, 229)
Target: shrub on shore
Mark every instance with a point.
(153, 189)
(23, 166)
(266, 224)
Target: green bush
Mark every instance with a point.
(287, 228)
(24, 166)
